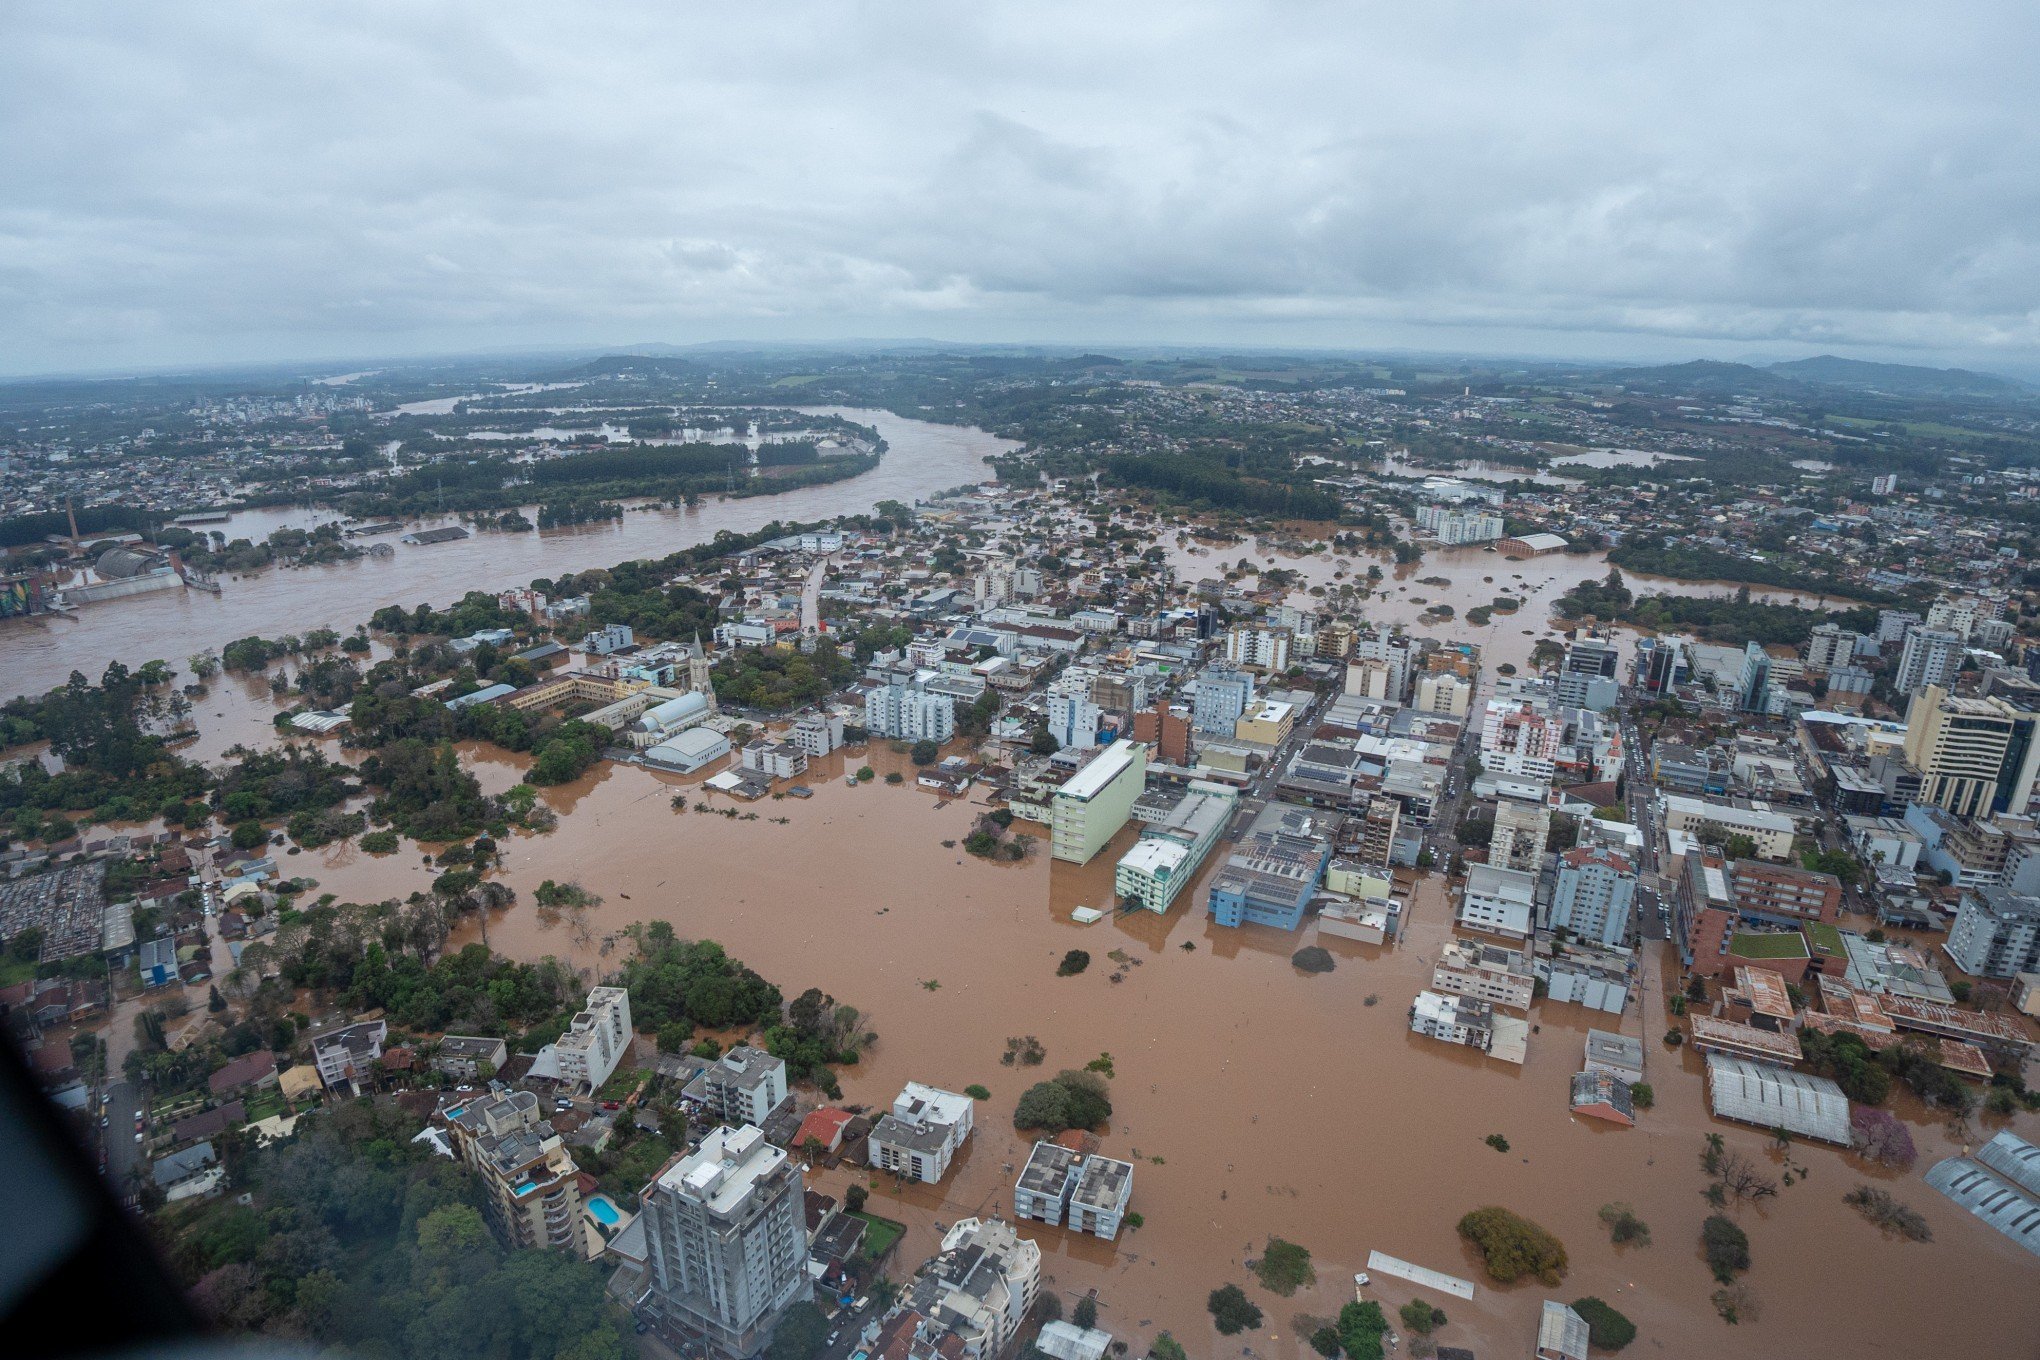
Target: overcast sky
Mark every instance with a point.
(190, 183)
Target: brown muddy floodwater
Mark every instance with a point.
(1255, 1099)
(1473, 576)
(35, 654)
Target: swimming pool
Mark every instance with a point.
(605, 1212)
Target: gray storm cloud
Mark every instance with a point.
(230, 181)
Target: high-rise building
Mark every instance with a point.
(1521, 738)
(1593, 895)
(1831, 646)
(1932, 656)
(1092, 804)
(1223, 693)
(1455, 526)
(1167, 730)
(1521, 832)
(1975, 756)
(1586, 679)
(726, 1244)
(530, 1186)
(596, 1040)
(1259, 647)
(1996, 934)
(1443, 692)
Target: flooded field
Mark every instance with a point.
(1254, 1098)
(35, 654)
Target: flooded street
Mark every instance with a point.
(1255, 1099)
(36, 654)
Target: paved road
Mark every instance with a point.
(123, 1104)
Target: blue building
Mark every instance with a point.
(159, 961)
(1271, 878)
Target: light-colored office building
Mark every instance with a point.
(1259, 647)
(1485, 972)
(901, 712)
(1975, 756)
(1168, 853)
(1995, 934)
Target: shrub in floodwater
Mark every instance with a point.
(1285, 1267)
(1513, 1246)
(1607, 1330)
(1313, 959)
(1232, 1311)
(1073, 963)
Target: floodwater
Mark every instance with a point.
(36, 654)
(1472, 577)
(1253, 1098)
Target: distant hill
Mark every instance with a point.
(628, 366)
(1902, 379)
(1708, 375)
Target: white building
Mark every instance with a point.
(1073, 721)
(596, 1040)
(977, 1288)
(1454, 526)
(745, 1085)
(1932, 656)
(1594, 894)
(726, 1244)
(922, 1132)
(1259, 647)
(613, 637)
(1454, 1019)
(1444, 692)
(1498, 901)
(776, 759)
(908, 713)
(817, 733)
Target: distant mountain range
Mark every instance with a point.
(1798, 375)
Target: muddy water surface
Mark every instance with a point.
(35, 654)
(1255, 1099)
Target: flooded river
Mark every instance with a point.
(35, 654)
(1255, 1099)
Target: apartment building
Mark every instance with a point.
(745, 1085)
(1499, 901)
(1831, 647)
(1267, 722)
(1975, 756)
(344, 1056)
(1091, 805)
(909, 712)
(774, 759)
(1259, 647)
(595, 1042)
(1995, 934)
(1456, 527)
(1380, 826)
(530, 1186)
(817, 733)
(1485, 972)
(1593, 895)
(1521, 833)
(1073, 721)
(726, 1245)
(1932, 656)
(1453, 1019)
(1586, 677)
(971, 1297)
(1521, 737)
(1087, 1193)
(1439, 692)
(1222, 695)
(919, 1136)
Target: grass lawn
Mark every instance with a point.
(881, 1234)
(1782, 946)
(13, 970)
